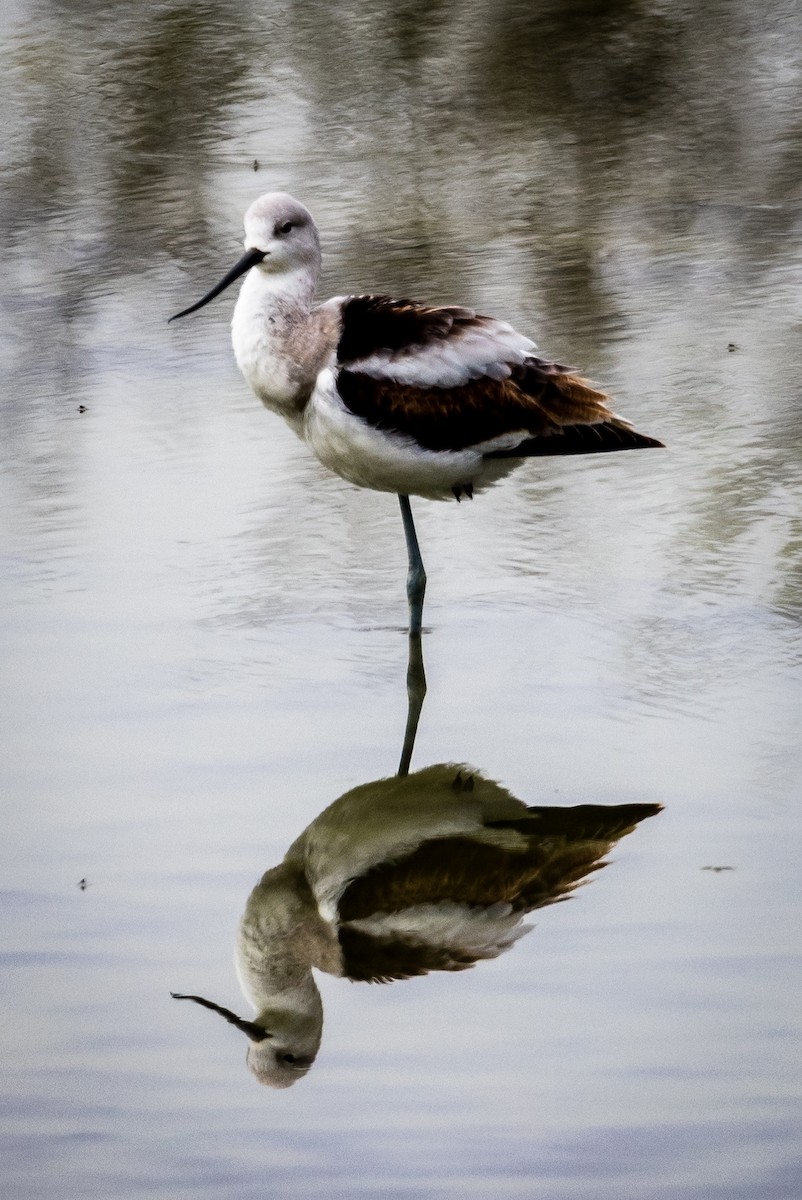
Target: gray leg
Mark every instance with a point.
(416, 579)
(416, 691)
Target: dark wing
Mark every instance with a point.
(442, 907)
(376, 958)
(451, 379)
(440, 870)
(559, 847)
(380, 325)
(380, 937)
(565, 845)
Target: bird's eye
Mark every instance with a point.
(286, 227)
(288, 1058)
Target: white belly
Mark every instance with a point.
(386, 461)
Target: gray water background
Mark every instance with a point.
(202, 631)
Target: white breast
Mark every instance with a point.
(275, 350)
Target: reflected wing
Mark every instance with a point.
(451, 379)
(479, 874)
(368, 958)
(454, 900)
(462, 869)
(448, 936)
(555, 849)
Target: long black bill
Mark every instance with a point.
(255, 1032)
(248, 260)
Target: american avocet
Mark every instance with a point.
(394, 395)
(430, 872)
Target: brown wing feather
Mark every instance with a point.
(378, 323)
(370, 959)
(548, 404)
(474, 873)
(558, 850)
(564, 397)
(541, 402)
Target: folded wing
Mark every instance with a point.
(450, 379)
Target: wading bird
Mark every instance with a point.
(434, 871)
(393, 395)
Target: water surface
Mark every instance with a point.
(203, 635)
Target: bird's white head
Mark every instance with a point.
(284, 1038)
(280, 228)
(281, 240)
(296, 1030)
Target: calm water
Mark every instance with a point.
(203, 632)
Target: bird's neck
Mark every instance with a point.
(278, 338)
(296, 286)
(281, 937)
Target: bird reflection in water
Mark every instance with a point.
(429, 871)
